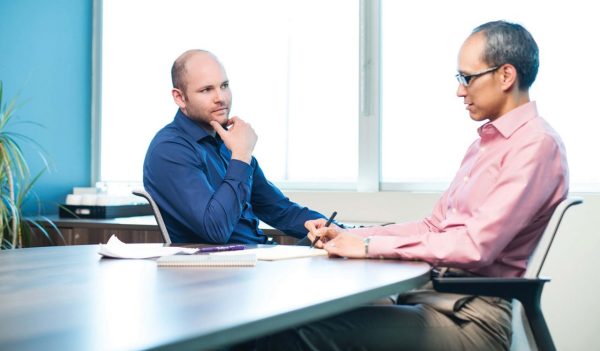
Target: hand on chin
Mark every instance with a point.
(221, 118)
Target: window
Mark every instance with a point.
(294, 70)
(425, 129)
(293, 76)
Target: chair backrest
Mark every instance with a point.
(522, 338)
(157, 215)
(538, 257)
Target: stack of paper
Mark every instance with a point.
(115, 248)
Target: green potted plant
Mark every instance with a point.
(16, 184)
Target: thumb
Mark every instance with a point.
(218, 128)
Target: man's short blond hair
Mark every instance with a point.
(178, 70)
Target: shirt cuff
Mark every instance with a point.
(389, 246)
(239, 171)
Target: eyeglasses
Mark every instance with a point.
(465, 79)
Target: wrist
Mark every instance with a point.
(367, 241)
(247, 158)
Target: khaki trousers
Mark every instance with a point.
(422, 320)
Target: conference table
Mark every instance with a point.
(70, 298)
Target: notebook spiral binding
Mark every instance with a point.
(242, 260)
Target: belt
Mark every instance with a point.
(449, 272)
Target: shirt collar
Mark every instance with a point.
(508, 123)
(190, 127)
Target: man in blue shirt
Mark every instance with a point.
(200, 171)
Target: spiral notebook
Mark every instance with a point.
(240, 260)
(277, 252)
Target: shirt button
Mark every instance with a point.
(466, 179)
(453, 210)
(482, 149)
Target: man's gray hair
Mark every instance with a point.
(511, 43)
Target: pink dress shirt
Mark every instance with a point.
(496, 208)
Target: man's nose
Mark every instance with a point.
(461, 91)
(218, 96)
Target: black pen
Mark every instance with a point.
(326, 225)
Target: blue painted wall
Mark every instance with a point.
(46, 58)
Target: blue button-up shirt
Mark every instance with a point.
(205, 196)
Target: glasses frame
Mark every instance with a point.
(465, 79)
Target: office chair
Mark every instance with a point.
(157, 215)
(528, 320)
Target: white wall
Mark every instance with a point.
(569, 301)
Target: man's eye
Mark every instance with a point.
(225, 85)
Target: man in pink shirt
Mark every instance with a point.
(487, 223)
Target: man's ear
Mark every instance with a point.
(179, 98)
(508, 76)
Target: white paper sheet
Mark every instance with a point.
(115, 248)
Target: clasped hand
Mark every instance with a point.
(335, 240)
(239, 138)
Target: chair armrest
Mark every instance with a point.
(527, 291)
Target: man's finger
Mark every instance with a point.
(329, 232)
(310, 226)
(218, 128)
(320, 232)
(233, 120)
